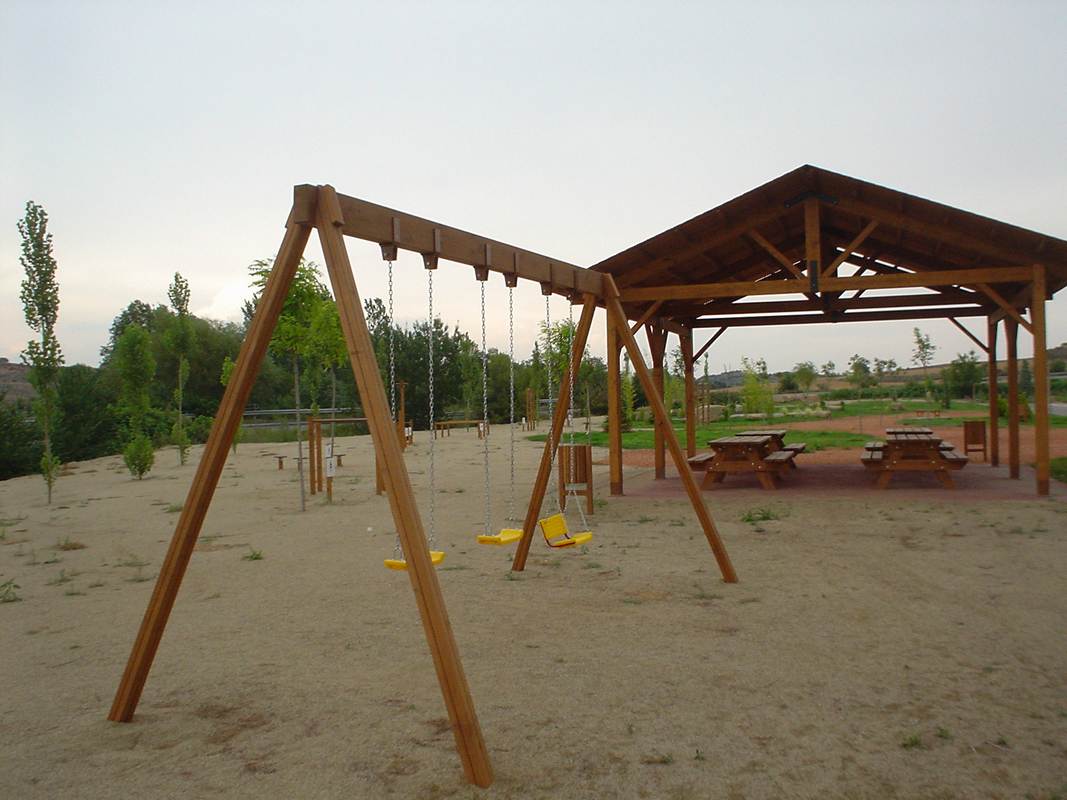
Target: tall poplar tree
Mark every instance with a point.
(180, 336)
(39, 293)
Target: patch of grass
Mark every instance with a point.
(139, 577)
(511, 576)
(62, 578)
(944, 733)
(912, 741)
(252, 554)
(1001, 742)
(174, 508)
(132, 561)
(592, 565)
(632, 601)
(1059, 468)
(759, 515)
(96, 584)
(73, 592)
(644, 518)
(70, 544)
(699, 756)
(8, 593)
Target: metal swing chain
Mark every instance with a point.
(572, 456)
(485, 417)
(551, 396)
(433, 437)
(392, 351)
(511, 397)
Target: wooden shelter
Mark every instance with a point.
(816, 247)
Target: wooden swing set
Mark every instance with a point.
(336, 216)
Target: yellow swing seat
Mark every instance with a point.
(556, 534)
(506, 536)
(436, 557)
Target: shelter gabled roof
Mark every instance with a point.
(751, 237)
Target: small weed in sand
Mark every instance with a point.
(132, 561)
(511, 576)
(912, 741)
(1001, 742)
(944, 733)
(700, 756)
(592, 565)
(174, 508)
(70, 544)
(641, 520)
(73, 592)
(139, 577)
(62, 578)
(759, 515)
(658, 759)
(252, 554)
(8, 593)
(52, 560)
(632, 601)
(453, 568)
(96, 584)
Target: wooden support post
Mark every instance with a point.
(555, 431)
(1011, 336)
(618, 316)
(614, 413)
(313, 461)
(657, 344)
(320, 467)
(686, 340)
(234, 399)
(1041, 386)
(994, 393)
(424, 584)
(812, 242)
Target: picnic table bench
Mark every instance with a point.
(751, 453)
(778, 435)
(911, 451)
(445, 426)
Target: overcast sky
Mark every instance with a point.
(167, 137)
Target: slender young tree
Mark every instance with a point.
(39, 293)
(227, 371)
(290, 336)
(136, 367)
(180, 339)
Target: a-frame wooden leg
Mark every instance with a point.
(424, 584)
(544, 471)
(659, 412)
(210, 467)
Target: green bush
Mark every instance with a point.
(198, 429)
(139, 456)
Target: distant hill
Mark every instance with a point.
(14, 381)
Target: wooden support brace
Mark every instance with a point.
(708, 343)
(559, 417)
(424, 583)
(659, 412)
(982, 345)
(197, 501)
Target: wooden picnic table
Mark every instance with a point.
(908, 450)
(909, 429)
(756, 453)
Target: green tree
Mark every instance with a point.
(180, 337)
(787, 382)
(757, 397)
(39, 293)
(1026, 380)
(923, 355)
(859, 372)
(962, 375)
(290, 338)
(804, 373)
(224, 379)
(87, 425)
(828, 370)
(137, 369)
(21, 451)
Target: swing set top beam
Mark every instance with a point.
(388, 227)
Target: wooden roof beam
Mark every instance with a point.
(902, 280)
(815, 319)
(787, 306)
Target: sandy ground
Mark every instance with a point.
(863, 621)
